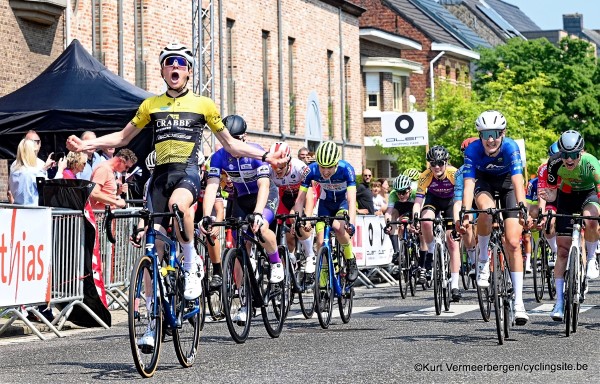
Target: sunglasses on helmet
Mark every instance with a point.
(172, 60)
(570, 155)
(493, 133)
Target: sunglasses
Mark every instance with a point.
(494, 134)
(172, 60)
(437, 163)
(367, 176)
(38, 142)
(404, 191)
(570, 155)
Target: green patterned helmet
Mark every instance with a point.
(328, 154)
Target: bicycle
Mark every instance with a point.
(502, 294)
(407, 258)
(246, 285)
(213, 296)
(441, 277)
(575, 279)
(330, 285)
(542, 271)
(466, 268)
(299, 282)
(167, 304)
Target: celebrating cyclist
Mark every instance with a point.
(493, 165)
(435, 193)
(177, 118)
(338, 195)
(578, 193)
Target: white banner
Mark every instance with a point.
(25, 256)
(370, 244)
(404, 129)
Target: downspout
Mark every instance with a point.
(280, 67)
(342, 93)
(120, 27)
(68, 24)
(94, 28)
(221, 65)
(101, 57)
(431, 73)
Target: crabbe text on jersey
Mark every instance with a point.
(170, 122)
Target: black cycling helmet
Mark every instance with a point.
(437, 153)
(570, 141)
(236, 125)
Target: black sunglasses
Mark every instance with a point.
(493, 133)
(403, 191)
(437, 163)
(570, 155)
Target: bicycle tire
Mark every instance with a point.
(579, 276)
(412, 279)
(190, 315)
(437, 279)
(236, 297)
(307, 295)
(448, 288)
(274, 296)
(323, 295)
(402, 282)
(288, 271)
(550, 280)
(346, 299)
(497, 295)
(537, 270)
(465, 267)
(213, 297)
(570, 291)
(509, 306)
(145, 358)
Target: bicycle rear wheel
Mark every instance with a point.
(190, 318)
(307, 295)
(274, 298)
(483, 297)
(213, 297)
(437, 279)
(323, 289)
(465, 267)
(448, 277)
(497, 281)
(144, 318)
(346, 299)
(236, 295)
(537, 266)
(509, 306)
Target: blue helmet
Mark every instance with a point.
(553, 148)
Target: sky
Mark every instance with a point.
(547, 14)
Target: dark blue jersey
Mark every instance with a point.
(507, 161)
(334, 188)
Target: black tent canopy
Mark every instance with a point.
(76, 93)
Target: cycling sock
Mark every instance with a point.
(560, 286)
(274, 257)
(527, 260)
(217, 269)
(430, 247)
(471, 252)
(454, 281)
(590, 249)
(189, 255)
(394, 239)
(347, 249)
(517, 281)
(422, 255)
(308, 245)
(552, 243)
(483, 242)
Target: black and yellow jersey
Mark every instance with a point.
(177, 123)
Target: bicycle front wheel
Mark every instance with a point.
(145, 318)
(437, 279)
(236, 295)
(345, 300)
(570, 290)
(190, 315)
(496, 285)
(323, 289)
(213, 297)
(537, 266)
(274, 298)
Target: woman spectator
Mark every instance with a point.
(75, 163)
(384, 191)
(378, 202)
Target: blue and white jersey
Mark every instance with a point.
(507, 161)
(334, 188)
(459, 183)
(244, 172)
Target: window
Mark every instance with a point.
(229, 62)
(330, 93)
(292, 94)
(400, 85)
(265, 71)
(373, 90)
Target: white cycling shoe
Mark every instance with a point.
(592, 269)
(277, 273)
(311, 262)
(483, 274)
(193, 285)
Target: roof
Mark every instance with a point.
(513, 15)
(592, 35)
(437, 23)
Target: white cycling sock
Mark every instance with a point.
(308, 245)
(189, 256)
(482, 243)
(430, 247)
(528, 260)
(454, 281)
(590, 249)
(552, 243)
(471, 252)
(560, 286)
(517, 281)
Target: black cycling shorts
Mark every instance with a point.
(438, 204)
(569, 204)
(501, 185)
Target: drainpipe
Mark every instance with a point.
(221, 64)
(431, 73)
(120, 27)
(68, 24)
(342, 94)
(280, 67)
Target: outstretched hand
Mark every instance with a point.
(74, 144)
(277, 159)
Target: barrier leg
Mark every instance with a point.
(44, 320)
(16, 313)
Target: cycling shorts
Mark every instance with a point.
(438, 204)
(330, 208)
(572, 203)
(503, 185)
(166, 179)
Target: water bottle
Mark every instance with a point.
(164, 281)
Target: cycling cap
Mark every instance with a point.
(176, 49)
(235, 124)
(437, 153)
(467, 142)
(151, 161)
(412, 173)
(328, 154)
(402, 182)
(490, 120)
(279, 146)
(570, 141)
(553, 149)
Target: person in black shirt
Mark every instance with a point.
(364, 196)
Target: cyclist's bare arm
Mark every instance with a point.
(241, 149)
(518, 182)
(210, 193)
(351, 196)
(263, 194)
(112, 140)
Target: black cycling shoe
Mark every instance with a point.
(352, 270)
(428, 274)
(215, 283)
(456, 295)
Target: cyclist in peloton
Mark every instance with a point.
(257, 198)
(579, 192)
(177, 118)
(338, 195)
(400, 205)
(288, 179)
(435, 194)
(544, 204)
(493, 164)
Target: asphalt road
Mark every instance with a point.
(387, 340)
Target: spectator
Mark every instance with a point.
(302, 153)
(105, 191)
(40, 164)
(364, 197)
(107, 154)
(310, 158)
(378, 202)
(75, 163)
(384, 191)
(23, 173)
(93, 158)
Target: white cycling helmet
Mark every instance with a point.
(489, 120)
(151, 161)
(176, 49)
(402, 182)
(281, 146)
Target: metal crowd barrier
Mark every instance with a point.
(118, 258)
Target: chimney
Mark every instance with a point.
(573, 23)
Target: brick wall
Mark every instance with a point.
(3, 180)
